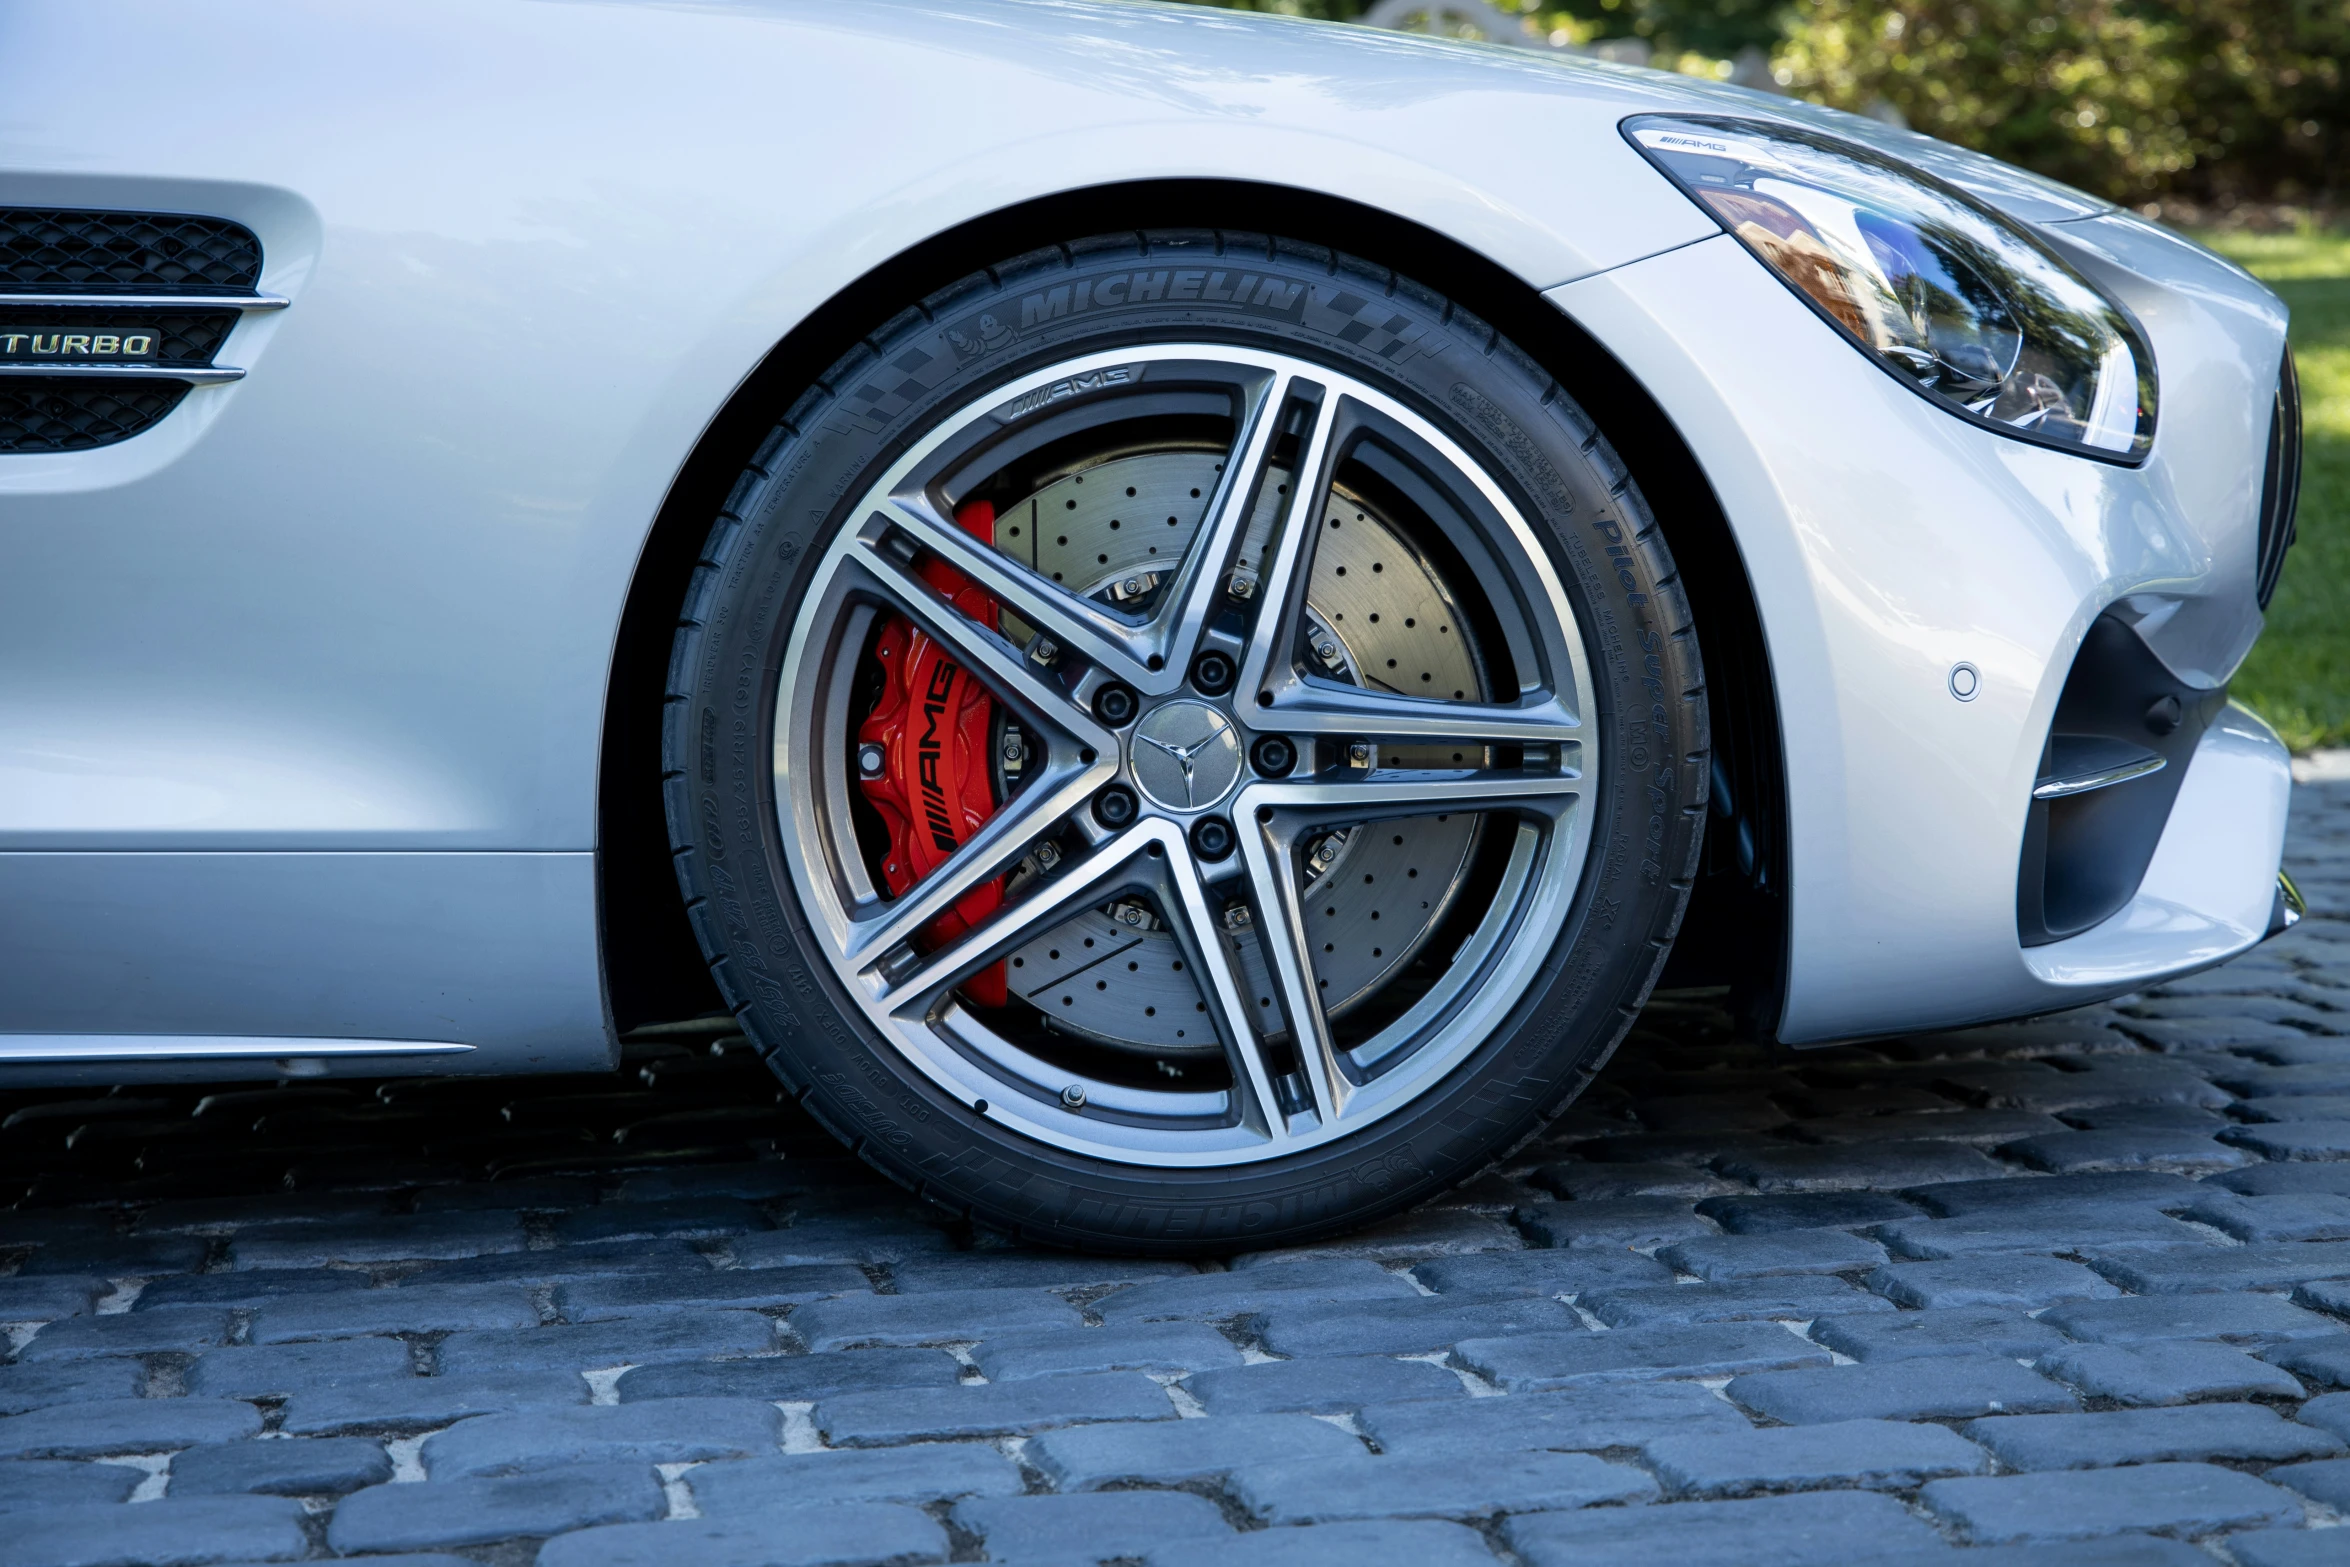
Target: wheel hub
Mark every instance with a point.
(1185, 756)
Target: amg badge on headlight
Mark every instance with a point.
(1957, 301)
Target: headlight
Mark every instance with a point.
(1955, 300)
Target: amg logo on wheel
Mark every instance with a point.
(938, 699)
(54, 342)
(1069, 386)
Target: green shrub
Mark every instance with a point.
(2208, 98)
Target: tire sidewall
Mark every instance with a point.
(1645, 791)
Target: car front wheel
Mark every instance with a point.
(1185, 743)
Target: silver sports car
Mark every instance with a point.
(1180, 613)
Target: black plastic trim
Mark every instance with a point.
(2280, 481)
(2085, 854)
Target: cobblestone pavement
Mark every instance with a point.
(2071, 1291)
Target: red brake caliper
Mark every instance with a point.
(935, 724)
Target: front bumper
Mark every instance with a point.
(1889, 544)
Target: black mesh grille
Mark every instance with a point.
(47, 250)
(73, 416)
(2280, 485)
(190, 338)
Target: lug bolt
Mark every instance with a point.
(1115, 705)
(871, 760)
(1074, 1096)
(1211, 674)
(1211, 836)
(1274, 756)
(1114, 806)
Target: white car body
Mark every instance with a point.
(303, 691)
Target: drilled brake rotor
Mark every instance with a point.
(1378, 615)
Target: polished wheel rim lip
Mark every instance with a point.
(906, 996)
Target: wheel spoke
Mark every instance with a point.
(1324, 707)
(1281, 605)
(1114, 867)
(1380, 794)
(1198, 931)
(1270, 854)
(1199, 580)
(1123, 649)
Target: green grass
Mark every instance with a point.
(2298, 676)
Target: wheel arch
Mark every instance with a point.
(1735, 933)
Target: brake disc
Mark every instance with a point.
(1379, 615)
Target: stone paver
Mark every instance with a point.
(2006, 1280)
(1578, 1419)
(125, 1425)
(1090, 1526)
(1358, 1486)
(2187, 1498)
(166, 1533)
(2138, 1436)
(1534, 1361)
(68, 1382)
(415, 1308)
(1741, 1306)
(2153, 1318)
(410, 1403)
(1402, 1327)
(1086, 1458)
(921, 1472)
(480, 1512)
(326, 1466)
(49, 1482)
(1879, 1455)
(1421, 1542)
(1954, 1330)
(2167, 1373)
(828, 1535)
(998, 1409)
(792, 1378)
(662, 1431)
(1798, 1298)
(1942, 1388)
(1324, 1386)
(1821, 1529)
(276, 1370)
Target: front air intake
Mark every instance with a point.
(2124, 732)
(108, 318)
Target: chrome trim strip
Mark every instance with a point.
(149, 301)
(2103, 778)
(22, 1048)
(194, 375)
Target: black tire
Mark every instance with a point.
(1648, 797)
